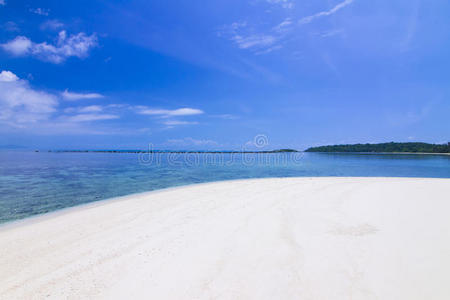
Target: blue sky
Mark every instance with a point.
(215, 74)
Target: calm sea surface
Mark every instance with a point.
(33, 183)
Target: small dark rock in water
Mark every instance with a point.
(36, 150)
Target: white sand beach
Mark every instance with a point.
(287, 238)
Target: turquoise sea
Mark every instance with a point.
(34, 183)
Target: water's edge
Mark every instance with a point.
(98, 203)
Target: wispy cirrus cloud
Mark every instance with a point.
(330, 12)
(91, 113)
(283, 26)
(90, 117)
(77, 45)
(178, 122)
(225, 116)
(248, 37)
(258, 40)
(2, 2)
(71, 96)
(254, 41)
(263, 39)
(171, 117)
(84, 109)
(186, 111)
(331, 33)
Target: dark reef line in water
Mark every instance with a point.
(173, 151)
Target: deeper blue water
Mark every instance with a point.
(34, 183)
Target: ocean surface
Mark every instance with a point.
(34, 183)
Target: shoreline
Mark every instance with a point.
(265, 238)
(99, 203)
(381, 153)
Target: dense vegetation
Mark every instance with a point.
(385, 147)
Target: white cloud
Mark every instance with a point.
(91, 108)
(168, 114)
(117, 106)
(2, 2)
(24, 108)
(177, 122)
(20, 104)
(339, 6)
(84, 109)
(18, 46)
(40, 11)
(77, 45)
(78, 96)
(90, 117)
(52, 25)
(143, 110)
(8, 76)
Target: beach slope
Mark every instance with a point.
(283, 238)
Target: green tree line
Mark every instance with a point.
(385, 147)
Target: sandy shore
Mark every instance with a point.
(292, 238)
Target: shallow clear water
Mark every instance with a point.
(33, 183)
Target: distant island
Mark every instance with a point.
(385, 148)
